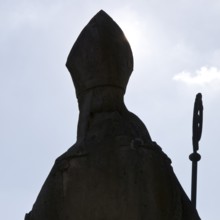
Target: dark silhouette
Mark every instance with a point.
(197, 133)
(114, 171)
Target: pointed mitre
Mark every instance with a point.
(101, 56)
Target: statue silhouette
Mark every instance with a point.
(114, 171)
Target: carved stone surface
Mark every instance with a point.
(114, 171)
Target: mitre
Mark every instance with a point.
(101, 56)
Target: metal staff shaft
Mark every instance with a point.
(194, 157)
(197, 132)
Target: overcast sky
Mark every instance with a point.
(176, 47)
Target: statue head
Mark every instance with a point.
(100, 57)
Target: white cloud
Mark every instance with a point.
(204, 76)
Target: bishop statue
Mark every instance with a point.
(114, 171)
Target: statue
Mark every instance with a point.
(114, 171)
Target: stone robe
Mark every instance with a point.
(112, 175)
